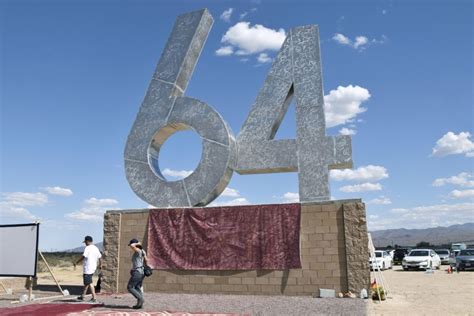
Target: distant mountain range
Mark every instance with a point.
(436, 235)
(99, 245)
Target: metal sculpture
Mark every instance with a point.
(296, 72)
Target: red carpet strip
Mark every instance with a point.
(45, 309)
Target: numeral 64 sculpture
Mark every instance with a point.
(165, 110)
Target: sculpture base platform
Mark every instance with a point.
(333, 247)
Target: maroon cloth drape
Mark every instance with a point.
(225, 238)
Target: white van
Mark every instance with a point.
(458, 246)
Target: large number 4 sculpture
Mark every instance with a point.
(164, 111)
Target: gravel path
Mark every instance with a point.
(256, 305)
(244, 304)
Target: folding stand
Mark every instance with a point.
(30, 285)
(5, 289)
(378, 273)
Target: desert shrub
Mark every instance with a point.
(41, 267)
(61, 259)
(65, 264)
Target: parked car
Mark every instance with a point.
(421, 259)
(443, 255)
(382, 260)
(399, 254)
(452, 257)
(465, 259)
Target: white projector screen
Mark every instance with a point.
(18, 249)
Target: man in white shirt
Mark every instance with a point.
(90, 257)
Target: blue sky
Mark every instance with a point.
(397, 74)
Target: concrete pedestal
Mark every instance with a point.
(334, 255)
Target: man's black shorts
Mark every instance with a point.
(87, 278)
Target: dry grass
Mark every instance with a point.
(61, 263)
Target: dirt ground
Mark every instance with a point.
(411, 293)
(69, 278)
(418, 293)
(64, 275)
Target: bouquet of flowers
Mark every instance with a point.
(376, 290)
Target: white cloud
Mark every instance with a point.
(360, 41)
(13, 205)
(226, 15)
(344, 104)
(462, 179)
(291, 197)
(460, 194)
(400, 210)
(15, 213)
(425, 216)
(58, 191)
(364, 173)
(380, 201)
(445, 208)
(237, 201)
(342, 39)
(382, 40)
(263, 58)
(347, 131)
(25, 199)
(100, 202)
(176, 173)
(452, 144)
(243, 15)
(363, 187)
(93, 209)
(85, 215)
(229, 192)
(58, 224)
(225, 51)
(253, 39)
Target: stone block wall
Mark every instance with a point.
(112, 240)
(334, 255)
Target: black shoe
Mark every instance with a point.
(139, 304)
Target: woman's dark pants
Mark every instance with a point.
(135, 284)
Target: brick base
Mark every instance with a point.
(334, 255)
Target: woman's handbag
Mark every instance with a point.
(146, 268)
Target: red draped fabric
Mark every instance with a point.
(225, 238)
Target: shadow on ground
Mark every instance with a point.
(73, 289)
(111, 306)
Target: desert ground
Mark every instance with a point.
(411, 293)
(419, 293)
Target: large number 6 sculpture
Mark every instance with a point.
(164, 111)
